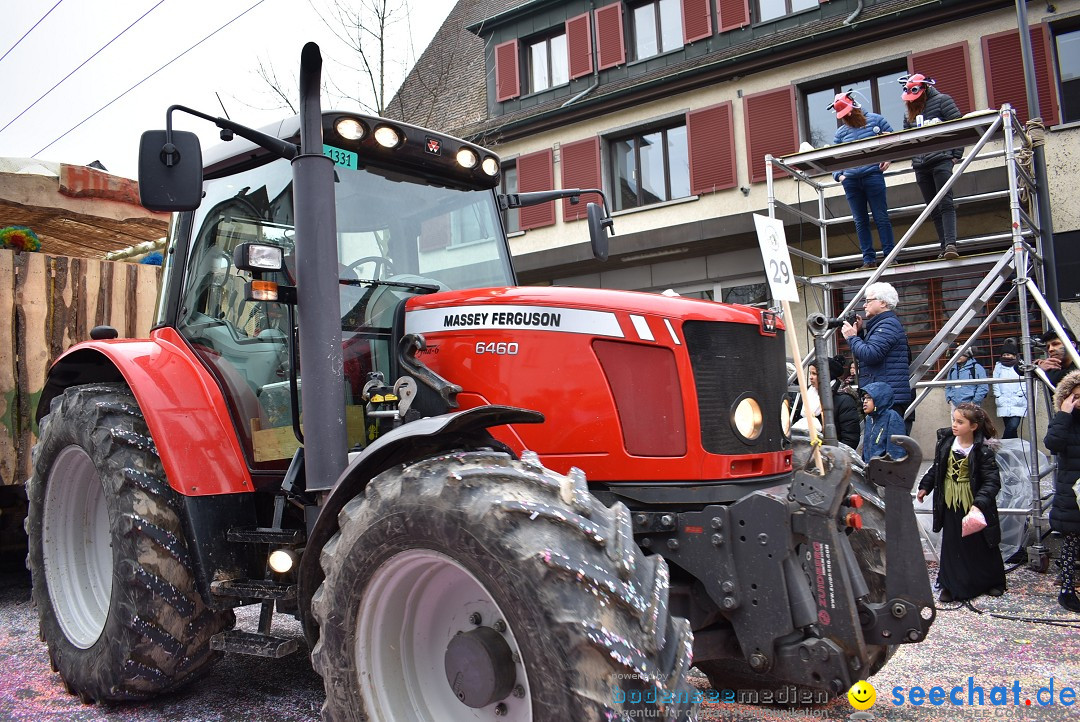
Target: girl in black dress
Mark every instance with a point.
(965, 475)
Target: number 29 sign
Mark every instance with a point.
(774, 251)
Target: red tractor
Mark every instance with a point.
(480, 500)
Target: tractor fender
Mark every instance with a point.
(181, 402)
(408, 443)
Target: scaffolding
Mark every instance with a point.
(1013, 257)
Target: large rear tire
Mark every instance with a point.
(455, 567)
(112, 574)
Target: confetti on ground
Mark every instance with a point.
(1020, 641)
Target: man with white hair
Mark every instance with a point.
(880, 345)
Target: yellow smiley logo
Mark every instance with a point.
(862, 695)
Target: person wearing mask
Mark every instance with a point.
(1011, 399)
(882, 422)
(864, 185)
(964, 479)
(966, 368)
(926, 104)
(1058, 362)
(1063, 439)
(880, 346)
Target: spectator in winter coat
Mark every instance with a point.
(932, 170)
(964, 369)
(882, 422)
(964, 477)
(1063, 438)
(848, 418)
(866, 184)
(882, 346)
(1011, 399)
(1058, 362)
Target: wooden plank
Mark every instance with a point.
(146, 294)
(32, 309)
(117, 300)
(89, 293)
(63, 331)
(9, 418)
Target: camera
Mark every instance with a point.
(851, 318)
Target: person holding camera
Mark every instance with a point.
(880, 345)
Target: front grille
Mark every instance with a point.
(729, 360)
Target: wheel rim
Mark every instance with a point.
(414, 605)
(76, 546)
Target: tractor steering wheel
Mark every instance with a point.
(383, 266)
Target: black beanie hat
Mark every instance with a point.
(836, 367)
(1009, 347)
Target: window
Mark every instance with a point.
(748, 294)
(547, 64)
(878, 92)
(1068, 67)
(650, 167)
(509, 184)
(772, 9)
(657, 27)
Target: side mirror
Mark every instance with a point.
(598, 231)
(170, 174)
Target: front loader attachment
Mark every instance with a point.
(815, 583)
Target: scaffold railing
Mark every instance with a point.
(1013, 258)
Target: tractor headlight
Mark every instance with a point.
(747, 419)
(466, 158)
(387, 137)
(281, 560)
(350, 129)
(490, 166)
(785, 417)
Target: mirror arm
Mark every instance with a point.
(280, 148)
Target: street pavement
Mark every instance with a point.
(1019, 643)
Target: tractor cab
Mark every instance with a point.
(401, 231)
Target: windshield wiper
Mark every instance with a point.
(425, 287)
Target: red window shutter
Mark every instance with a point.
(580, 163)
(1005, 72)
(579, 45)
(734, 14)
(610, 42)
(507, 75)
(536, 172)
(949, 66)
(770, 127)
(711, 139)
(696, 20)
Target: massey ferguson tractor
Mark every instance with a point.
(480, 500)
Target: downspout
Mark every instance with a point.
(595, 66)
(851, 18)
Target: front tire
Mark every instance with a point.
(474, 551)
(113, 578)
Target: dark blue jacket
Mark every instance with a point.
(875, 125)
(882, 353)
(881, 424)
